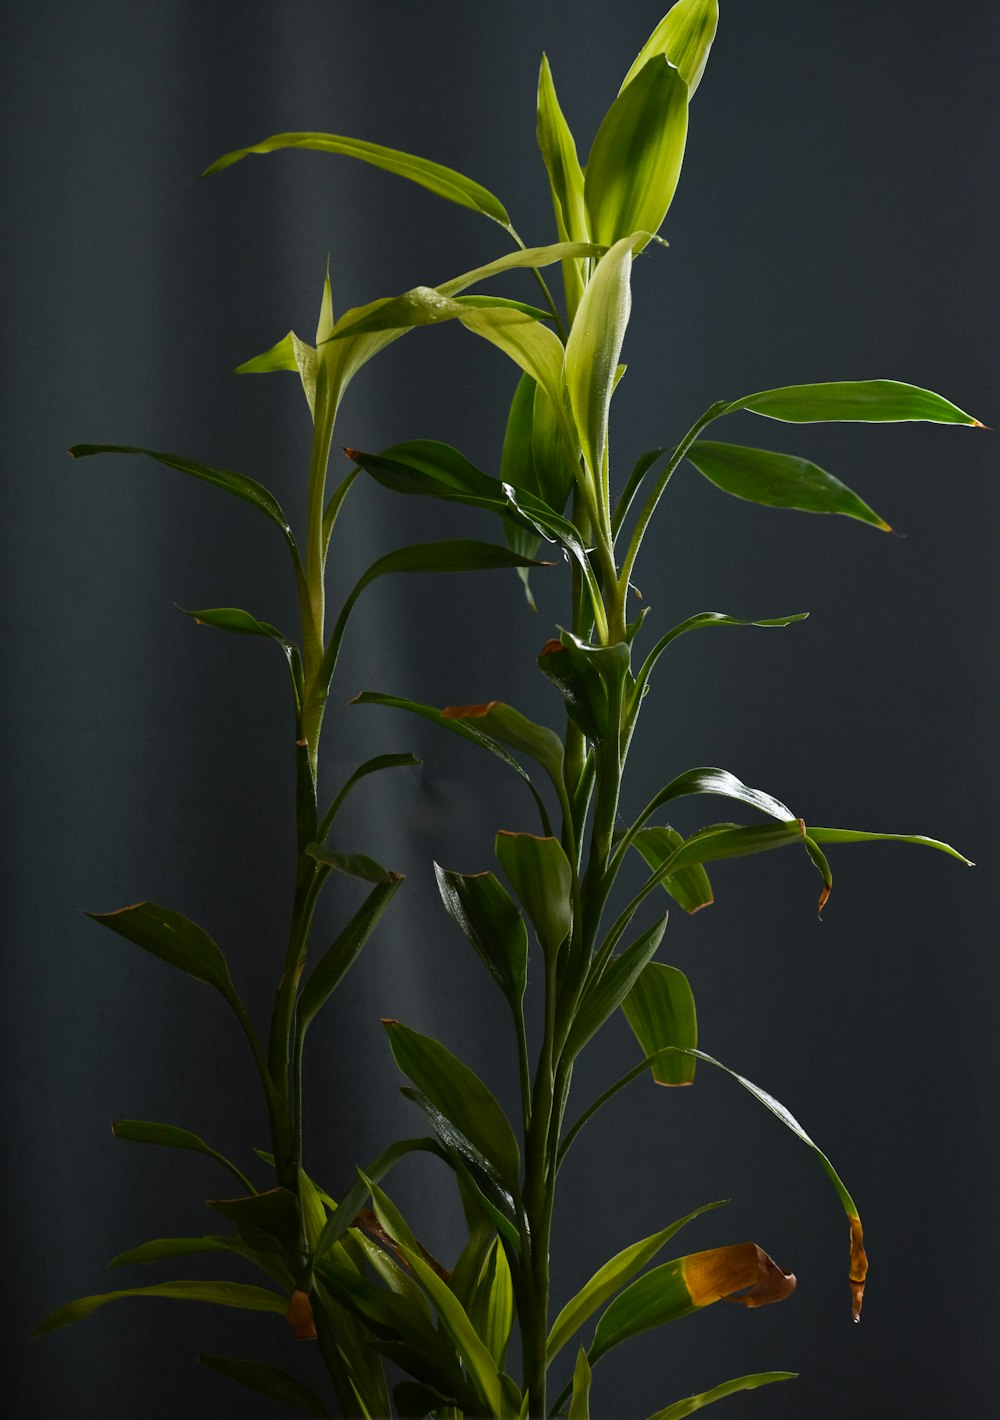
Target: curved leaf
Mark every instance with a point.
(779, 481)
(542, 877)
(491, 1309)
(220, 1294)
(444, 182)
(159, 1248)
(562, 165)
(708, 780)
(682, 1408)
(528, 257)
(696, 623)
(602, 998)
(660, 1010)
(172, 938)
(853, 835)
(171, 1136)
(488, 916)
(729, 840)
(459, 1094)
(868, 401)
(354, 865)
(689, 887)
(344, 951)
(684, 36)
(370, 766)
(636, 158)
(504, 723)
(268, 1380)
(610, 1278)
(533, 347)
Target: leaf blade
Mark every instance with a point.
(778, 480)
(862, 401)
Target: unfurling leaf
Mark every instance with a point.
(661, 1011)
(542, 877)
(778, 481)
(684, 36)
(593, 350)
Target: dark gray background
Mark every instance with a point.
(837, 218)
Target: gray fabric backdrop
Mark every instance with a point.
(837, 218)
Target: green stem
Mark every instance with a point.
(557, 318)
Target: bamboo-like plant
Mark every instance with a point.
(360, 1274)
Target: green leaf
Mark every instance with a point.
(730, 840)
(661, 1011)
(293, 355)
(635, 162)
(610, 1278)
(556, 457)
(491, 1309)
(702, 620)
(159, 1248)
(689, 887)
(172, 938)
(593, 350)
(517, 467)
(533, 347)
(220, 1294)
(579, 1405)
(268, 1380)
(677, 1288)
(370, 766)
(778, 481)
(603, 997)
(267, 1222)
(558, 150)
(682, 1408)
(504, 723)
(716, 781)
(352, 1203)
(231, 618)
(530, 257)
(460, 1095)
(442, 181)
(853, 835)
(488, 916)
(344, 951)
(353, 865)
(170, 1136)
(542, 877)
(236, 483)
(684, 36)
(480, 1364)
(868, 401)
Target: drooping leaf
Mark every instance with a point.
(270, 1381)
(370, 766)
(236, 483)
(708, 780)
(610, 1278)
(696, 623)
(542, 877)
(459, 1094)
(853, 835)
(170, 1136)
(504, 723)
(778, 481)
(488, 916)
(343, 952)
(172, 938)
(684, 36)
(593, 350)
(220, 1294)
(661, 1011)
(442, 181)
(689, 887)
(683, 1408)
(562, 164)
(603, 997)
(636, 158)
(868, 401)
(741, 1271)
(579, 1405)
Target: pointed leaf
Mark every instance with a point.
(236, 483)
(480, 1364)
(504, 723)
(661, 1011)
(231, 618)
(220, 1294)
(709, 780)
(696, 623)
(610, 1278)
(353, 865)
(778, 481)
(684, 36)
(682, 1408)
(593, 350)
(172, 938)
(267, 1222)
(730, 840)
(159, 1248)
(491, 1309)
(442, 181)
(558, 150)
(517, 467)
(579, 1405)
(459, 1094)
(344, 951)
(268, 1380)
(170, 1136)
(370, 766)
(689, 887)
(868, 401)
(542, 877)
(527, 257)
(635, 162)
(488, 916)
(741, 1271)
(853, 835)
(603, 997)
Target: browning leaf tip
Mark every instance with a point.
(300, 1317)
(468, 712)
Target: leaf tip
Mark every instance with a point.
(468, 712)
(978, 424)
(823, 899)
(352, 454)
(302, 744)
(388, 1021)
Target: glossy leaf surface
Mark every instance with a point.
(542, 878)
(779, 481)
(867, 401)
(635, 161)
(442, 181)
(270, 1381)
(220, 1294)
(610, 1278)
(683, 1408)
(708, 780)
(459, 1094)
(661, 1011)
(172, 938)
(488, 916)
(684, 36)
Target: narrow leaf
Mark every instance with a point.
(442, 181)
(636, 158)
(170, 1136)
(558, 150)
(353, 865)
(730, 840)
(268, 1380)
(542, 877)
(220, 1294)
(707, 780)
(459, 1094)
(491, 1310)
(488, 916)
(593, 350)
(370, 766)
(868, 401)
(579, 1405)
(853, 835)
(684, 36)
(344, 951)
(661, 1011)
(610, 1278)
(778, 481)
(504, 723)
(682, 1408)
(159, 1248)
(481, 1366)
(603, 997)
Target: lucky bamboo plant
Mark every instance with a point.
(356, 1275)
